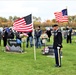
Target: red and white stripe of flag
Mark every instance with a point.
(20, 25)
(60, 18)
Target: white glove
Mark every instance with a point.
(58, 48)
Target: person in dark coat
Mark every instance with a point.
(5, 36)
(10, 34)
(57, 43)
(48, 32)
(38, 33)
(69, 32)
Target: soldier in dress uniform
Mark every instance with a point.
(57, 43)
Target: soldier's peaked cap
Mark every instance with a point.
(55, 25)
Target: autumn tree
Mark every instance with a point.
(15, 18)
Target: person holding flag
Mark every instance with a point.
(57, 45)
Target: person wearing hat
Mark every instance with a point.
(57, 44)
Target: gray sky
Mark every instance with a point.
(39, 8)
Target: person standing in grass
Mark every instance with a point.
(49, 33)
(69, 34)
(57, 45)
(29, 39)
(5, 36)
(44, 37)
(38, 33)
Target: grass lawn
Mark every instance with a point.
(24, 64)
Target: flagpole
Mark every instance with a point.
(34, 40)
(67, 13)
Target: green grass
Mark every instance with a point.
(24, 64)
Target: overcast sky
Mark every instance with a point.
(39, 8)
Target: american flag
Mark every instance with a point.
(23, 24)
(61, 16)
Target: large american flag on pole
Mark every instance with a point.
(61, 16)
(23, 24)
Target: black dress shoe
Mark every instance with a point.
(59, 65)
(56, 66)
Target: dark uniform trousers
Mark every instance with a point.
(56, 56)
